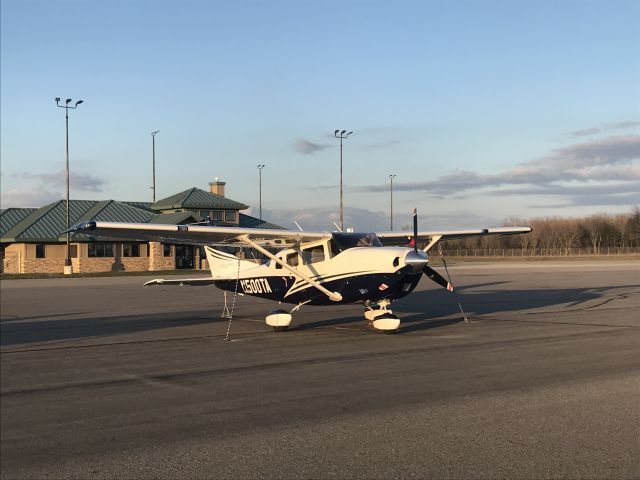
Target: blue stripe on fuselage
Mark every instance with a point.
(356, 289)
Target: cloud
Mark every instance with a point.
(611, 163)
(621, 149)
(77, 181)
(364, 220)
(605, 127)
(612, 189)
(379, 145)
(27, 197)
(308, 148)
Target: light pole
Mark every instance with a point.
(260, 167)
(391, 177)
(153, 143)
(341, 135)
(68, 268)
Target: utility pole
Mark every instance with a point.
(260, 167)
(153, 142)
(342, 135)
(391, 177)
(68, 267)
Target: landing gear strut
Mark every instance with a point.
(381, 317)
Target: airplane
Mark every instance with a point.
(308, 268)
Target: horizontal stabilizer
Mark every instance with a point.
(192, 282)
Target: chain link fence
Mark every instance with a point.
(540, 252)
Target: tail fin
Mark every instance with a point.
(225, 265)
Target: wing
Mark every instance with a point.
(402, 238)
(198, 234)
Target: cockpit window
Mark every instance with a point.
(292, 259)
(312, 254)
(344, 241)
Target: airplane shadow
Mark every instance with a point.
(74, 329)
(425, 309)
(422, 310)
(431, 304)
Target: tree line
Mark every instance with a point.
(561, 235)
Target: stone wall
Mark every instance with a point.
(157, 260)
(20, 258)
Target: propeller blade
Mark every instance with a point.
(436, 277)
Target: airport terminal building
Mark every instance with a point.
(32, 239)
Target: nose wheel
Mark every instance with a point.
(381, 317)
(279, 320)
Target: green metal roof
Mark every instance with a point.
(176, 218)
(198, 199)
(247, 221)
(141, 205)
(111, 211)
(48, 223)
(10, 217)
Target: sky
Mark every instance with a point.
(484, 110)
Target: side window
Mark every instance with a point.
(335, 249)
(130, 250)
(313, 254)
(292, 259)
(101, 250)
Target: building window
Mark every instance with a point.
(166, 250)
(74, 251)
(130, 249)
(217, 215)
(40, 250)
(230, 216)
(101, 249)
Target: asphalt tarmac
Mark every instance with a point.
(102, 378)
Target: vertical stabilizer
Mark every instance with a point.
(225, 265)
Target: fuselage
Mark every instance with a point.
(359, 274)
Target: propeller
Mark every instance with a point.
(436, 277)
(428, 271)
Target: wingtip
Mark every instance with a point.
(84, 226)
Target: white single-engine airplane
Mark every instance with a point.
(314, 268)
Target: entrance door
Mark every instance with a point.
(184, 256)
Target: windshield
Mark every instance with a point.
(343, 241)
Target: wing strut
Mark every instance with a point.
(335, 296)
(434, 240)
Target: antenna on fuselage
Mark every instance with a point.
(298, 225)
(339, 229)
